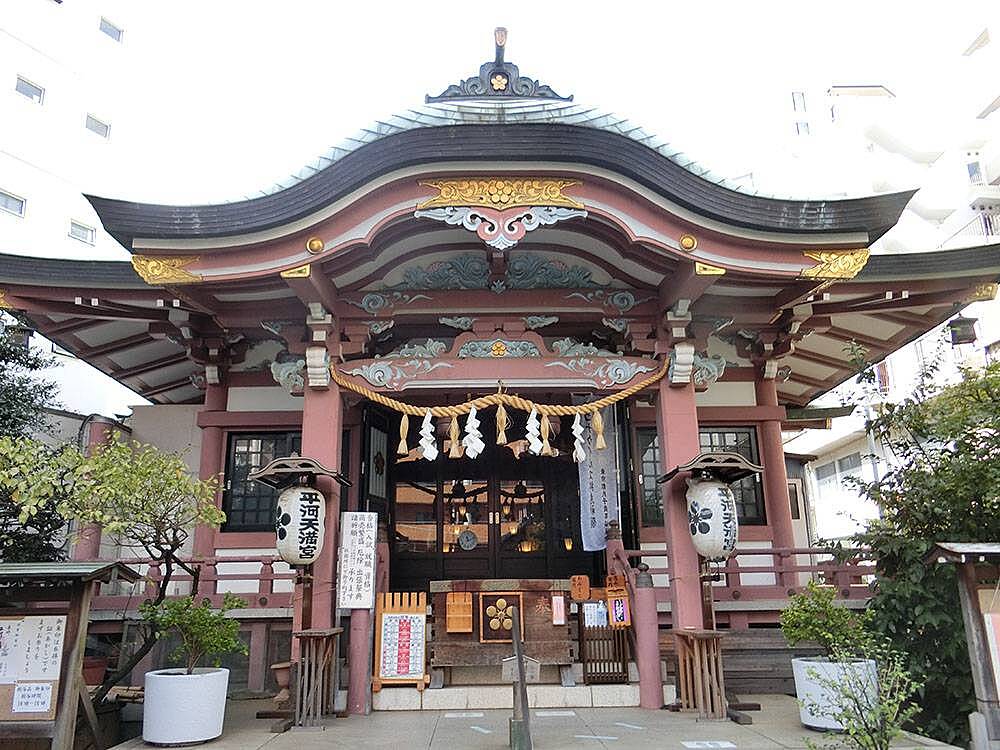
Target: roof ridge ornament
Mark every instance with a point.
(497, 79)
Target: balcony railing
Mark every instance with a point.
(980, 230)
(769, 573)
(260, 586)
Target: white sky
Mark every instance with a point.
(225, 97)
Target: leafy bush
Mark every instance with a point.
(872, 712)
(204, 632)
(813, 615)
(943, 484)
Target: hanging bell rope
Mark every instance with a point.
(500, 400)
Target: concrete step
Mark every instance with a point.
(501, 696)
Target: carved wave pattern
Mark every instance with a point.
(471, 271)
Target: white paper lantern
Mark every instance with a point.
(712, 518)
(300, 524)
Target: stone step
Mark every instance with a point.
(501, 696)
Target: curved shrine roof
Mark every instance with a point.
(508, 132)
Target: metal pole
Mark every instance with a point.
(520, 725)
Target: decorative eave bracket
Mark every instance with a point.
(497, 79)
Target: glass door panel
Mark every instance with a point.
(466, 519)
(416, 518)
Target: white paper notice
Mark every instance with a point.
(31, 648)
(32, 698)
(356, 566)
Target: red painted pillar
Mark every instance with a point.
(321, 427)
(647, 640)
(100, 431)
(210, 464)
(677, 423)
(772, 453)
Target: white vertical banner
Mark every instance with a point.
(356, 560)
(599, 484)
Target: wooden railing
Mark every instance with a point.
(775, 574)
(257, 589)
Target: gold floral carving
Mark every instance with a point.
(301, 272)
(500, 193)
(4, 303)
(982, 293)
(704, 269)
(835, 264)
(156, 269)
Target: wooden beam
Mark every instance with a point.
(683, 284)
(156, 364)
(806, 380)
(819, 359)
(172, 385)
(316, 287)
(71, 326)
(118, 345)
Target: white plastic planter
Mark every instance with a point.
(181, 708)
(810, 692)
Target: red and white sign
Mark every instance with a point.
(403, 646)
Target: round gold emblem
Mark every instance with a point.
(499, 82)
(314, 245)
(688, 242)
(499, 349)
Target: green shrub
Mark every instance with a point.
(204, 632)
(813, 615)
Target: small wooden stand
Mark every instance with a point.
(314, 675)
(699, 673)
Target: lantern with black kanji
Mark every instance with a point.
(711, 504)
(300, 522)
(300, 516)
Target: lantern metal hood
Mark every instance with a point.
(724, 466)
(283, 472)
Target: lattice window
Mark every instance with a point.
(249, 506)
(748, 492)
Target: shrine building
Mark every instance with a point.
(610, 308)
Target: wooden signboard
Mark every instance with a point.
(619, 613)
(458, 618)
(400, 640)
(579, 588)
(31, 649)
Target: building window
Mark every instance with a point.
(793, 500)
(799, 101)
(648, 452)
(801, 128)
(849, 464)
(111, 30)
(830, 476)
(30, 90)
(11, 203)
(81, 232)
(975, 173)
(96, 126)
(748, 492)
(249, 505)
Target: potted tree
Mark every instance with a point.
(871, 709)
(188, 704)
(813, 616)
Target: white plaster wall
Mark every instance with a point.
(251, 570)
(727, 394)
(245, 398)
